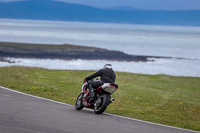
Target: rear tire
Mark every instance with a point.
(101, 104)
(79, 103)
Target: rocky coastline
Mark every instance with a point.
(65, 51)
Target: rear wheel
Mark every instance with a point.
(79, 103)
(101, 104)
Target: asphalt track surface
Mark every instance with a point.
(23, 113)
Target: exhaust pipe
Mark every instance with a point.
(111, 100)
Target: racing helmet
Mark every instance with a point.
(107, 66)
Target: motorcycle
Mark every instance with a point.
(101, 100)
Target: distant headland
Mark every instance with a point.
(65, 51)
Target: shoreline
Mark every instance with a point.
(65, 52)
(73, 57)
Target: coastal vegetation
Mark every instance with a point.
(161, 99)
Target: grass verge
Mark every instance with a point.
(161, 99)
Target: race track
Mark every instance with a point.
(22, 113)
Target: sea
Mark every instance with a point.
(181, 43)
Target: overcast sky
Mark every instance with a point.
(140, 4)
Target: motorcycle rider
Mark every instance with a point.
(107, 76)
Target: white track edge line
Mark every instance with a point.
(104, 113)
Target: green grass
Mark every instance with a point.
(163, 99)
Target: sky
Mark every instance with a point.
(139, 4)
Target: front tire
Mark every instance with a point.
(79, 103)
(101, 104)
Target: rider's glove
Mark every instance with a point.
(84, 81)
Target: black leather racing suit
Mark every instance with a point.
(107, 76)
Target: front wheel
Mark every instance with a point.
(101, 104)
(79, 103)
